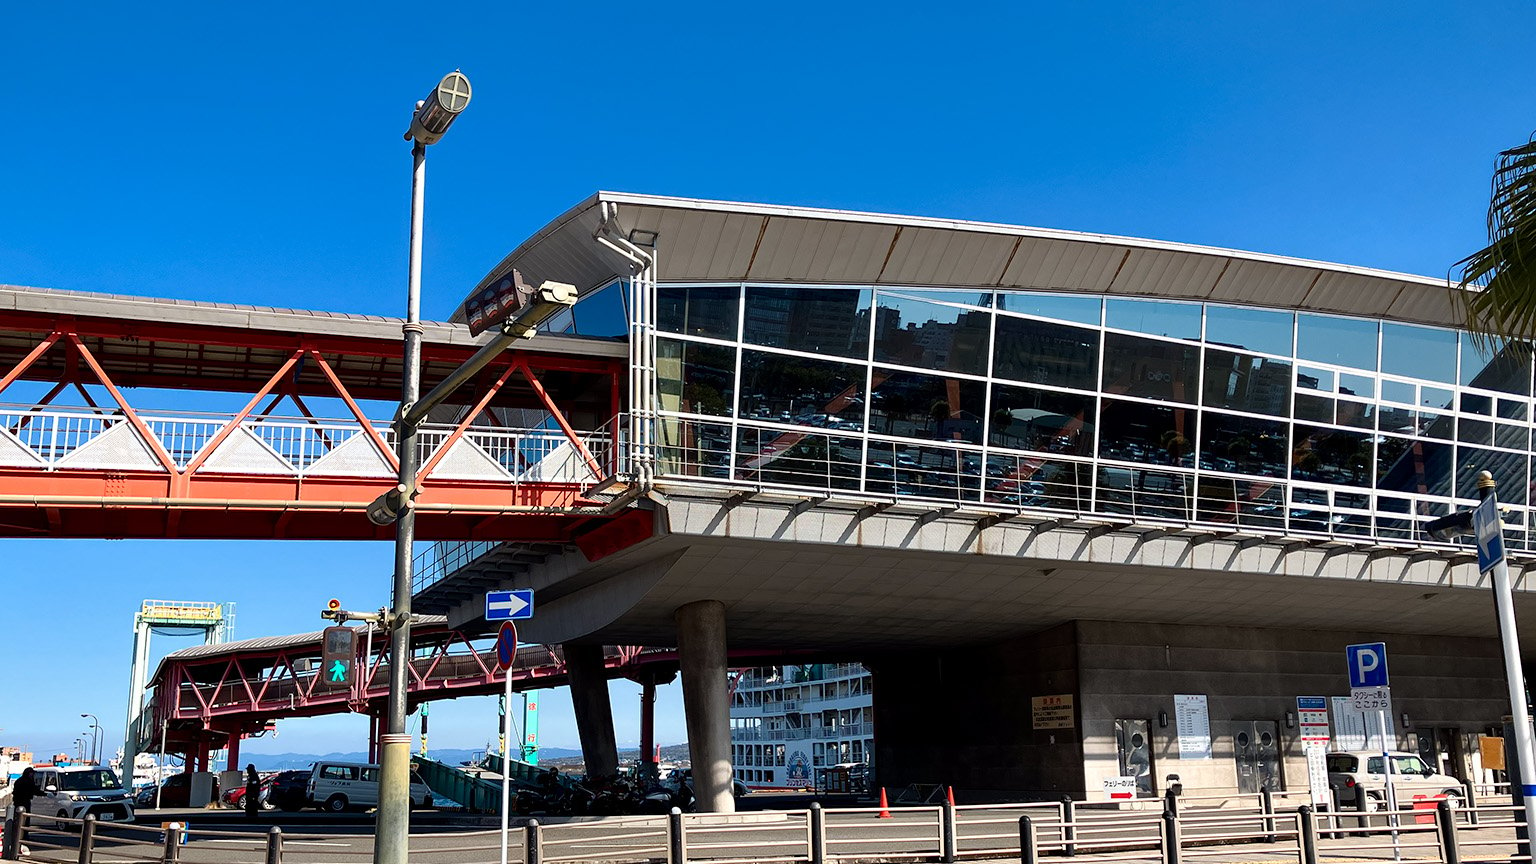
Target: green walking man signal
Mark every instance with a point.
(337, 656)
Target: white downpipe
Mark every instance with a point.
(642, 345)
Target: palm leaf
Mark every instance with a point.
(1498, 282)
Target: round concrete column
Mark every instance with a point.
(706, 702)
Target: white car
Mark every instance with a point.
(340, 786)
(75, 791)
(1357, 771)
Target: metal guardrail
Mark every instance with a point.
(1099, 833)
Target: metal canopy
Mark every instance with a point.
(720, 241)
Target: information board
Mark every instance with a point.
(1192, 718)
(1052, 712)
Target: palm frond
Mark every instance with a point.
(1498, 282)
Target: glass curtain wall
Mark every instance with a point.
(1238, 416)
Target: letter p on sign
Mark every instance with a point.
(1367, 664)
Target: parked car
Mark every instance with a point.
(340, 786)
(1360, 771)
(175, 791)
(74, 791)
(289, 790)
(236, 797)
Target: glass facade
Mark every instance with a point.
(1238, 416)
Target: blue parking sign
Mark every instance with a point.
(1367, 664)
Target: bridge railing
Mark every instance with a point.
(832, 462)
(83, 439)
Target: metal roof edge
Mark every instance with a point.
(796, 212)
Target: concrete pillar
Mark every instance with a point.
(648, 723)
(706, 702)
(594, 714)
(232, 747)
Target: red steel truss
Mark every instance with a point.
(115, 470)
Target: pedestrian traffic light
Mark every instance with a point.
(338, 656)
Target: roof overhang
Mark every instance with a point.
(720, 241)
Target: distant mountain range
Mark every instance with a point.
(561, 755)
(293, 761)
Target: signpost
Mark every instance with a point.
(507, 605)
(1369, 687)
(515, 605)
(1312, 717)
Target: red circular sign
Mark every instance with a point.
(506, 646)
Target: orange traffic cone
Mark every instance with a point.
(949, 795)
(885, 811)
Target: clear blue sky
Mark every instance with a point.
(253, 154)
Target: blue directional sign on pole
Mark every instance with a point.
(1489, 529)
(513, 605)
(1367, 664)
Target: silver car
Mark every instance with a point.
(1353, 772)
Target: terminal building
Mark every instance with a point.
(1087, 507)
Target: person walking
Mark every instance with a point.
(252, 800)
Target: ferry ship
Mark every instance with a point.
(789, 724)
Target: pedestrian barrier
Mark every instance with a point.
(1197, 831)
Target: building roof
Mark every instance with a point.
(722, 241)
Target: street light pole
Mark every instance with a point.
(95, 736)
(431, 119)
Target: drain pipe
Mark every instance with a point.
(642, 344)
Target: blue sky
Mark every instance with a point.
(253, 154)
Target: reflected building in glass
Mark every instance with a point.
(1192, 412)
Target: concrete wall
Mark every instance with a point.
(963, 716)
(1134, 670)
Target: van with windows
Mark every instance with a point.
(1360, 772)
(341, 786)
(77, 791)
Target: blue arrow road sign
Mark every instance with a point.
(1367, 664)
(1489, 530)
(509, 605)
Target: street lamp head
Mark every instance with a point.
(442, 106)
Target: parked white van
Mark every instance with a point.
(338, 786)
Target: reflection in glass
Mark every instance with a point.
(1428, 353)
(1361, 415)
(1510, 435)
(1435, 397)
(1432, 425)
(1400, 392)
(1041, 352)
(1308, 378)
(1314, 409)
(1027, 419)
(910, 405)
(786, 389)
(1062, 307)
(1139, 492)
(1243, 445)
(1029, 481)
(797, 458)
(893, 468)
(1244, 503)
(1510, 409)
(1506, 369)
(931, 335)
(1339, 341)
(1150, 368)
(1153, 434)
(815, 320)
(695, 378)
(1153, 317)
(1508, 469)
(1252, 329)
(1474, 431)
(1244, 382)
(943, 295)
(693, 448)
(1407, 465)
(1331, 456)
(1357, 385)
(697, 311)
(1399, 420)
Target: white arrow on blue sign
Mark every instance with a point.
(1367, 664)
(512, 605)
(1489, 530)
